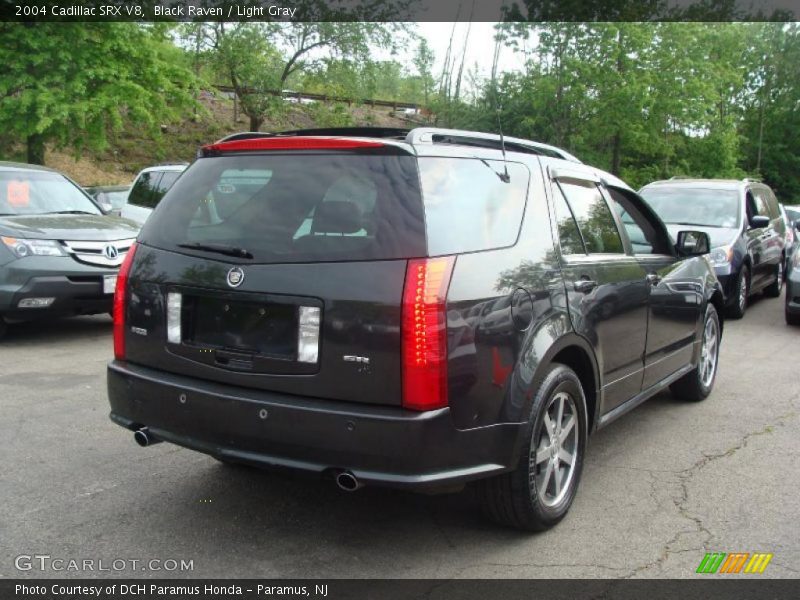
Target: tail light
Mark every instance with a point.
(120, 303)
(425, 333)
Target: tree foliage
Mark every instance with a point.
(73, 83)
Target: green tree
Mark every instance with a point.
(74, 83)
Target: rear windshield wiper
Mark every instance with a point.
(219, 249)
(69, 212)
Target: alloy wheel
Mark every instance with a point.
(554, 450)
(709, 352)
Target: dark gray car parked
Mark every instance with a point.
(418, 309)
(745, 224)
(59, 254)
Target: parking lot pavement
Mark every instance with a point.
(661, 486)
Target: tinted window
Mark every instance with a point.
(166, 181)
(39, 192)
(684, 205)
(595, 221)
(645, 236)
(468, 207)
(568, 234)
(286, 208)
(142, 191)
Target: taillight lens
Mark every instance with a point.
(120, 303)
(425, 333)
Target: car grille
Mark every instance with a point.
(101, 254)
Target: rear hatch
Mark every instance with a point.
(281, 269)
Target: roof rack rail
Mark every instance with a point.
(752, 180)
(680, 177)
(244, 135)
(433, 135)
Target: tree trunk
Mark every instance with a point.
(35, 144)
(616, 154)
(255, 123)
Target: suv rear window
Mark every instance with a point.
(289, 208)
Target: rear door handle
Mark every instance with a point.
(653, 279)
(584, 286)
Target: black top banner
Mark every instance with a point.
(400, 10)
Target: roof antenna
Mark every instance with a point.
(504, 177)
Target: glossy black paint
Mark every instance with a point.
(510, 313)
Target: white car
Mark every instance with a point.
(148, 188)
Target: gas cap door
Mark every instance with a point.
(521, 309)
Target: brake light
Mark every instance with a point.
(291, 143)
(120, 303)
(424, 337)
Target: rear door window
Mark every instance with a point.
(294, 207)
(166, 181)
(467, 205)
(595, 221)
(142, 191)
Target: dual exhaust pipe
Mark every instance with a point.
(345, 480)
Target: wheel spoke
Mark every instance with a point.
(542, 455)
(557, 480)
(560, 410)
(547, 474)
(567, 428)
(565, 457)
(548, 424)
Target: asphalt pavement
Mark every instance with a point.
(662, 486)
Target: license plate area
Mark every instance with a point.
(257, 328)
(254, 333)
(109, 284)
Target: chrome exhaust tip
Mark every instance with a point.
(144, 438)
(347, 482)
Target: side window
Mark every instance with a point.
(645, 236)
(142, 190)
(762, 206)
(166, 181)
(568, 234)
(595, 221)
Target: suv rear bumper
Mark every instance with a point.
(378, 444)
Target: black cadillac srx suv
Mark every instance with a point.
(414, 309)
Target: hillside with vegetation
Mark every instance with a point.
(642, 100)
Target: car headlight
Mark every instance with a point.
(721, 257)
(23, 247)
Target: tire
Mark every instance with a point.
(791, 318)
(698, 383)
(522, 498)
(773, 290)
(739, 306)
(3, 327)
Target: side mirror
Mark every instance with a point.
(103, 203)
(797, 225)
(693, 243)
(759, 221)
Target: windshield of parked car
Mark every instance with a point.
(684, 205)
(41, 192)
(792, 213)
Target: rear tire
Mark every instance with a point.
(773, 290)
(3, 327)
(698, 383)
(791, 318)
(741, 294)
(537, 494)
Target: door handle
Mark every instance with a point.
(584, 286)
(653, 279)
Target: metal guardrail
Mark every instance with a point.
(329, 98)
